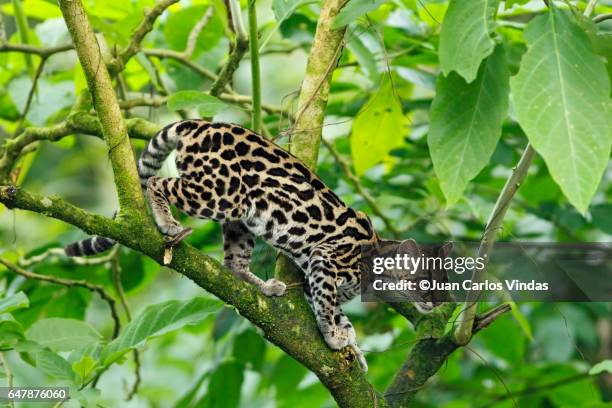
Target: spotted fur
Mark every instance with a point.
(256, 189)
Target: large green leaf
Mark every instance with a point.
(156, 320)
(561, 100)
(465, 37)
(61, 334)
(465, 123)
(377, 129)
(17, 301)
(54, 365)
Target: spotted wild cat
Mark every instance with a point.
(256, 189)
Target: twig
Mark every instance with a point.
(71, 284)
(602, 17)
(180, 57)
(9, 375)
(589, 8)
(255, 74)
(30, 49)
(192, 40)
(26, 108)
(536, 389)
(116, 271)
(145, 26)
(346, 168)
(242, 43)
(463, 332)
(158, 101)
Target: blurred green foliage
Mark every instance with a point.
(378, 115)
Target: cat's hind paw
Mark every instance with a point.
(337, 338)
(273, 287)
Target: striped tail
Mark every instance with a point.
(89, 246)
(150, 162)
(161, 145)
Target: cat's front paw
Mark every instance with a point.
(273, 287)
(337, 337)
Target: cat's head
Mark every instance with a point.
(429, 268)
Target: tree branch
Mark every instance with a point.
(105, 102)
(240, 48)
(180, 57)
(287, 322)
(426, 358)
(145, 26)
(496, 218)
(30, 49)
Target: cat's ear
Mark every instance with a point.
(410, 247)
(445, 249)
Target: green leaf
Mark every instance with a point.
(601, 367)
(522, 321)
(284, 8)
(353, 10)
(364, 57)
(54, 365)
(207, 105)
(561, 99)
(17, 301)
(224, 386)
(84, 367)
(60, 334)
(504, 340)
(156, 320)
(250, 347)
(11, 332)
(465, 37)
(601, 217)
(377, 129)
(465, 123)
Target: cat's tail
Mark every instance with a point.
(89, 246)
(150, 161)
(161, 145)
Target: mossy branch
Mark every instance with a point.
(287, 323)
(105, 102)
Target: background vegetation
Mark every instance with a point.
(430, 108)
